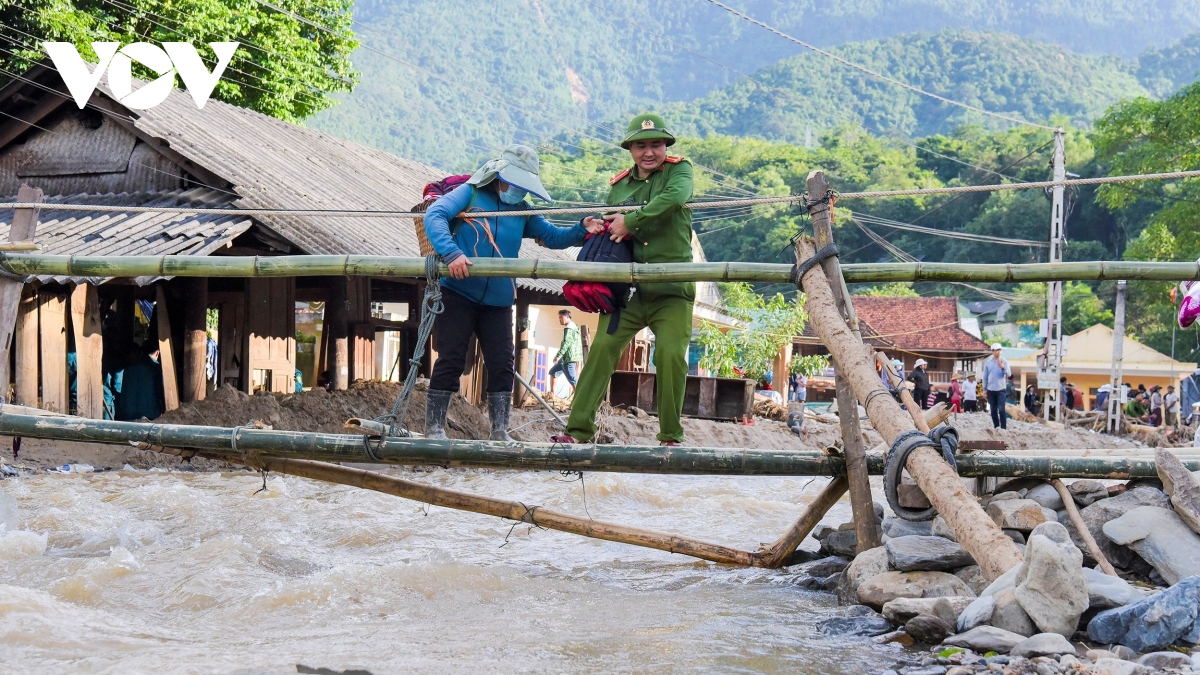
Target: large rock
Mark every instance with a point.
(984, 639)
(917, 553)
(827, 566)
(973, 577)
(898, 527)
(1051, 586)
(1106, 592)
(843, 543)
(883, 588)
(1152, 623)
(865, 626)
(1042, 644)
(939, 528)
(1181, 486)
(1046, 495)
(1017, 514)
(1099, 513)
(1005, 581)
(1164, 660)
(1011, 616)
(1161, 538)
(869, 563)
(928, 629)
(1119, 667)
(900, 610)
(1087, 492)
(977, 613)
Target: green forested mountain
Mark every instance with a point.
(998, 72)
(462, 74)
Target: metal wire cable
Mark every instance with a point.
(949, 234)
(707, 204)
(872, 73)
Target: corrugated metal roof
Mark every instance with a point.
(78, 233)
(276, 164)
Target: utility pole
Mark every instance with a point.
(1052, 352)
(1113, 423)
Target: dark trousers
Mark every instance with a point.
(970, 406)
(492, 327)
(996, 400)
(922, 396)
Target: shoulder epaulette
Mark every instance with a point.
(671, 159)
(617, 178)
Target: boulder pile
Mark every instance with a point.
(1056, 612)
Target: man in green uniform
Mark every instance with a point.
(662, 233)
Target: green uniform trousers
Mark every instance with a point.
(671, 320)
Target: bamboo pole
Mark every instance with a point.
(502, 508)
(394, 266)
(534, 456)
(1081, 527)
(973, 529)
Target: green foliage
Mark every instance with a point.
(767, 326)
(1145, 136)
(284, 67)
(993, 337)
(1082, 308)
(809, 366)
(897, 289)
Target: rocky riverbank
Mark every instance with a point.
(1057, 612)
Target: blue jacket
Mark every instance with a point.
(471, 241)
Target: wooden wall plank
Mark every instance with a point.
(89, 351)
(24, 225)
(26, 345)
(166, 354)
(52, 320)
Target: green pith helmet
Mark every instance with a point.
(645, 127)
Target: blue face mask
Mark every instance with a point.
(513, 195)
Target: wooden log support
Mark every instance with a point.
(906, 397)
(24, 226)
(166, 356)
(974, 530)
(89, 351)
(195, 339)
(25, 380)
(522, 352)
(502, 508)
(776, 554)
(52, 324)
(861, 504)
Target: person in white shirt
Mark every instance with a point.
(1171, 402)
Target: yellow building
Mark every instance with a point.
(1088, 364)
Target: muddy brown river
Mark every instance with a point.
(178, 572)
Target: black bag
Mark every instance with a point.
(595, 296)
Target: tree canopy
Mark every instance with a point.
(290, 62)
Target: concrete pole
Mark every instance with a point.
(1113, 424)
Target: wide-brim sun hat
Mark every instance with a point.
(920, 362)
(645, 128)
(517, 165)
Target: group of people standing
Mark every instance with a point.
(660, 229)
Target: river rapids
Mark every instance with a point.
(183, 572)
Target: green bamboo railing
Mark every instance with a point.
(385, 266)
(535, 456)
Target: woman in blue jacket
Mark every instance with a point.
(478, 305)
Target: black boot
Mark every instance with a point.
(500, 407)
(437, 404)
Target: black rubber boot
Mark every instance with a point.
(437, 404)
(500, 407)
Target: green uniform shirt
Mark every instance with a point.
(662, 228)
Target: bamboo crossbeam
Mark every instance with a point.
(390, 266)
(267, 443)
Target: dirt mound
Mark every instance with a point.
(319, 410)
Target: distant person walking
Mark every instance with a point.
(995, 382)
(1171, 402)
(570, 352)
(956, 393)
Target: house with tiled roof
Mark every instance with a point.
(909, 329)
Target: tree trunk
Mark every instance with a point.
(195, 339)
